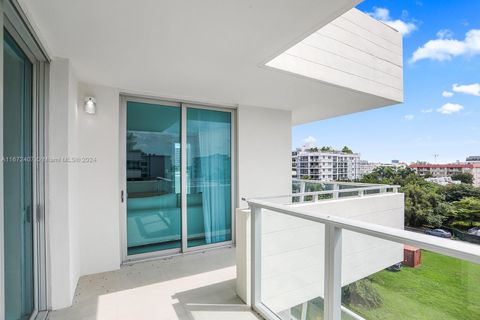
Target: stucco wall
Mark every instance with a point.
(62, 219)
(85, 200)
(98, 182)
(264, 152)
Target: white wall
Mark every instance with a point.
(264, 152)
(353, 51)
(98, 183)
(83, 216)
(84, 197)
(72, 178)
(61, 216)
(293, 249)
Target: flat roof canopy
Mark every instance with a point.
(211, 51)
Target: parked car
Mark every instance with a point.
(474, 231)
(397, 267)
(439, 233)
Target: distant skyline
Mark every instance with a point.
(441, 110)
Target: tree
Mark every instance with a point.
(363, 293)
(389, 175)
(468, 209)
(421, 206)
(456, 192)
(428, 175)
(347, 150)
(383, 175)
(314, 149)
(463, 177)
(326, 149)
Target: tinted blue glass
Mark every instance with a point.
(209, 206)
(153, 178)
(17, 170)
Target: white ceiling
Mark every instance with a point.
(201, 50)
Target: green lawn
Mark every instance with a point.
(442, 288)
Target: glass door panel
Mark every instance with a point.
(153, 178)
(18, 192)
(209, 206)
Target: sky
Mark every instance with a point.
(441, 110)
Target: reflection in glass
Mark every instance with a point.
(209, 208)
(153, 178)
(18, 198)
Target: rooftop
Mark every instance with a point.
(448, 165)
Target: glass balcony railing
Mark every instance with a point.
(311, 191)
(309, 264)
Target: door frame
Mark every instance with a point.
(14, 20)
(183, 105)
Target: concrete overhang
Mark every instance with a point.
(228, 52)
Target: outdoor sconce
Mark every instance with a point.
(90, 105)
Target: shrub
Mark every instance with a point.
(362, 293)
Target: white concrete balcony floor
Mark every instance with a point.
(193, 286)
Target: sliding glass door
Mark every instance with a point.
(209, 190)
(153, 177)
(171, 208)
(17, 179)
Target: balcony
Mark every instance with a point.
(309, 248)
(312, 251)
(194, 286)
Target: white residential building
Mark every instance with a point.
(443, 181)
(131, 180)
(448, 170)
(325, 166)
(367, 167)
(473, 159)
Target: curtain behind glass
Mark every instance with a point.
(208, 176)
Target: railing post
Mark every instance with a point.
(333, 273)
(303, 315)
(335, 191)
(302, 190)
(255, 268)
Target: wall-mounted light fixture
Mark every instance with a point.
(90, 105)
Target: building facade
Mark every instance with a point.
(473, 159)
(325, 166)
(447, 170)
(367, 167)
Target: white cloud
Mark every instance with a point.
(472, 89)
(309, 141)
(401, 26)
(450, 108)
(408, 117)
(427, 110)
(444, 49)
(447, 94)
(445, 34)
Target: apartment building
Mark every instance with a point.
(325, 165)
(473, 159)
(367, 167)
(447, 170)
